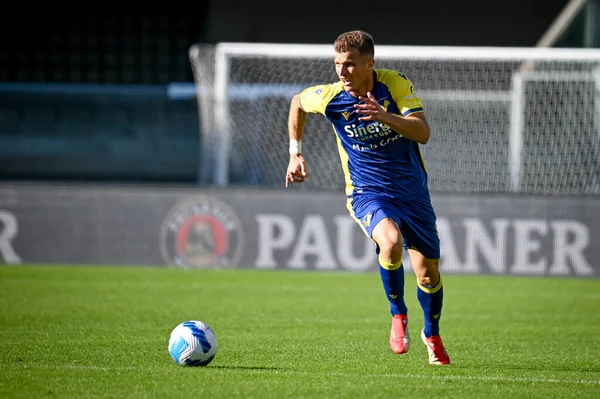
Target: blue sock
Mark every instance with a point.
(392, 277)
(431, 299)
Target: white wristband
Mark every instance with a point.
(295, 146)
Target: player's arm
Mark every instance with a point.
(413, 127)
(310, 100)
(296, 171)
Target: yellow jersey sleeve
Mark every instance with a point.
(315, 99)
(403, 92)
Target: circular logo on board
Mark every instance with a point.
(202, 232)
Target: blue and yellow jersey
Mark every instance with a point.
(375, 158)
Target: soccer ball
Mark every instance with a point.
(193, 343)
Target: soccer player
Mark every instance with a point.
(379, 122)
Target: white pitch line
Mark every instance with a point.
(400, 375)
(483, 378)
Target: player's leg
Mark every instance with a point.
(389, 241)
(388, 238)
(372, 217)
(423, 246)
(430, 292)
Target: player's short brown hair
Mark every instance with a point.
(355, 40)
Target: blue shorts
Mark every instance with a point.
(416, 218)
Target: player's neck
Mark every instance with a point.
(364, 89)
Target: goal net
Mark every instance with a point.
(502, 119)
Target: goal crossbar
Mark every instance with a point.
(414, 52)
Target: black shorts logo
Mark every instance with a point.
(202, 232)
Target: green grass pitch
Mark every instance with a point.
(101, 332)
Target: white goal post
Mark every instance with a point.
(502, 114)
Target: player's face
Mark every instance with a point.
(355, 71)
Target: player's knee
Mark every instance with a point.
(426, 281)
(428, 275)
(392, 251)
(390, 246)
(389, 240)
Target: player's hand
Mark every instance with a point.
(296, 171)
(370, 108)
